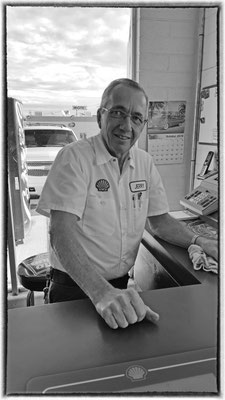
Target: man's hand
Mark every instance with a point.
(120, 308)
(209, 246)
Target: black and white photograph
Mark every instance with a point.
(111, 140)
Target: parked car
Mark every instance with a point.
(173, 121)
(164, 121)
(43, 142)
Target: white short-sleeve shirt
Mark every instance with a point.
(112, 208)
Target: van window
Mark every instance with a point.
(48, 138)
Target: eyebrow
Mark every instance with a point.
(123, 108)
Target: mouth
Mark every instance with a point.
(123, 137)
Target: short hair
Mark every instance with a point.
(123, 81)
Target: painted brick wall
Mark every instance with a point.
(209, 77)
(167, 68)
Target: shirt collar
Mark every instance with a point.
(131, 157)
(102, 154)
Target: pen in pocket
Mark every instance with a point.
(134, 201)
(139, 199)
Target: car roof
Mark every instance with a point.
(48, 127)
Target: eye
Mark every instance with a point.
(116, 113)
(137, 119)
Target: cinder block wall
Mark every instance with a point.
(167, 49)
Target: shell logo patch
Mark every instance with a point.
(136, 373)
(102, 185)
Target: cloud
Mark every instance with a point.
(66, 50)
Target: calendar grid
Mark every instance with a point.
(166, 148)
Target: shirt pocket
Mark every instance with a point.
(139, 211)
(99, 216)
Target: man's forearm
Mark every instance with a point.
(171, 230)
(119, 308)
(174, 232)
(73, 256)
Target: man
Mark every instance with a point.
(99, 193)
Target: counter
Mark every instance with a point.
(67, 347)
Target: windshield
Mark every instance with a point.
(48, 138)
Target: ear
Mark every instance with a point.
(99, 115)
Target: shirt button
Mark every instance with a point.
(114, 159)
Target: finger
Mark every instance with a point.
(119, 315)
(110, 320)
(151, 315)
(138, 305)
(124, 304)
(107, 315)
(113, 314)
(130, 313)
(141, 309)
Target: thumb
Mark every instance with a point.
(151, 315)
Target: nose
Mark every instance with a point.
(126, 123)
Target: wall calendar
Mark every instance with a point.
(166, 122)
(166, 148)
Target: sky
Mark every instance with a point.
(61, 56)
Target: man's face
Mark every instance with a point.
(120, 134)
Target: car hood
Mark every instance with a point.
(42, 153)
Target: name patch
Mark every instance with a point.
(102, 185)
(138, 186)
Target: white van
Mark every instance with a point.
(43, 142)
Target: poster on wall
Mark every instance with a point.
(166, 123)
(208, 119)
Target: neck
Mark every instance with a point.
(120, 157)
(121, 160)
